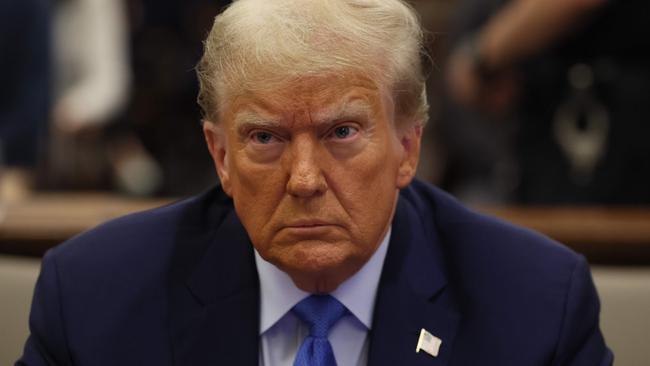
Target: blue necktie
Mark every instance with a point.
(319, 313)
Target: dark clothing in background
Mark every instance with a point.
(613, 43)
(166, 42)
(24, 79)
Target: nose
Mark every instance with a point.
(305, 172)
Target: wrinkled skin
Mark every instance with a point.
(314, 169)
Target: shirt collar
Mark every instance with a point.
(278, 293)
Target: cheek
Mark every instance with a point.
(375, 170)
(257, 192)
(253, 179)
(366, 188)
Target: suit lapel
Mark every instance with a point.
(412, 295)
(215, 313)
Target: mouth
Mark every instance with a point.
(309, 227)
(308, 224)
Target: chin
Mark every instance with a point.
(320, 267)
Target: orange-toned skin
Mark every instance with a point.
(314, 170)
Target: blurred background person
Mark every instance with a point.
(548, 100)
(91, 77)
(125, 87)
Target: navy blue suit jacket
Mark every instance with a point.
(178, 286)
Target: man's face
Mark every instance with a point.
(314, 170)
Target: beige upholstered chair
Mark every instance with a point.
(625, 312)
(17, 278)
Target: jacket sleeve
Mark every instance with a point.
(581, 342)
(46, 344)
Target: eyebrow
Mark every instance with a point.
(352, 108)
(248, 119)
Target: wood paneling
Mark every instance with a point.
(605, 235)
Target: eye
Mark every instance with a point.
(344, 132)
(262, 137)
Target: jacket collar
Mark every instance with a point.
(215, 311)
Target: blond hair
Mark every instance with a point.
(259, 44)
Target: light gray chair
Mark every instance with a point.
(17, 278)
(625, 312)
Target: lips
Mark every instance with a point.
(309, 228)
(308, 224)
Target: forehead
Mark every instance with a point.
(324, 94)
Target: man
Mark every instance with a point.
(317, 249)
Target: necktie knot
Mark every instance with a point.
(319, 313)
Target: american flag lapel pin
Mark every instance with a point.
(428, 343)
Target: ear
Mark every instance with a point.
(410, 138)
(215, 138)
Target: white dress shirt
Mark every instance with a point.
(282, 333)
